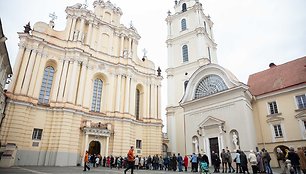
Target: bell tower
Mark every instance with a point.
(190, 43)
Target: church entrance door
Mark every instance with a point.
(214, 145)
(94, 147)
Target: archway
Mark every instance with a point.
(94, 147)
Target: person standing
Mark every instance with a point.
(244, 162)
(137, 162)
(174, 162)
(281, 159)
(302, 156)
(266, 161)
(86, 161)
(194, 161)
(237, 160)
(186, 162)
(130, 160)
(229, 161)
(180, 162)
(295, 160)
(224, 159)
(253, 161)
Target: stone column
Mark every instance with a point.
(89, 87)
(127, 94)
(118, 93)
(21, 74)
(82, 84)
(40, 74)
(68, 80)
(149, 113)
(129, 48)
(80, 37)
(89, 33)
(63, 81)
(28, 73)
(121, 45)
(17, 67)
(57, 79)
(93, 37)
(107, 144)
(153, 101)
(132, 97)
(159, 102)
(72, 86)
(74, 19)
(34, 79)
(85, 147)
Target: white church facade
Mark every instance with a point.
(208, 108)
(83, 88)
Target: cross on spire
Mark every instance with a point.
(53, 16)
(85, 4)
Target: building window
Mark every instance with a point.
(37, 133)
(210, 84)
(137, 104)
(208, 49)
(183, 24)
(184, 7)
(301, 101)
(185, 53)
(96, 96)
(278, 130)
(138, 144)
(304, 124)
(45, 89)
(273, 107)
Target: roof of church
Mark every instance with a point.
(278, 77)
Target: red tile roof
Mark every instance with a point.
(278, 77)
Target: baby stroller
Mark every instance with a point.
(204, 167)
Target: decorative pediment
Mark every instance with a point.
(211, 121)
(301, 114)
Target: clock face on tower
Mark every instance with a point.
(208, 85)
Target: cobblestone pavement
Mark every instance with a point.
(79, 170)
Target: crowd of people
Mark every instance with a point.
(291, 161)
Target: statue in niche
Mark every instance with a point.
(235, 140)
(125, 53)
(196, 145)
(75, 35)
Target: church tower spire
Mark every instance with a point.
(190, 43)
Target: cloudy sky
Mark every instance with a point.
(250, 33)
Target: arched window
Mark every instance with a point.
(137, 104)
(96, 96)
(184, 7)
(209, 85)
(45, 89)
(183, 24)
(185, 53)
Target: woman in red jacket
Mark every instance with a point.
(186, 162)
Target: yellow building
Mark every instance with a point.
(279, 106)
(5, 71)
(83, 88)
